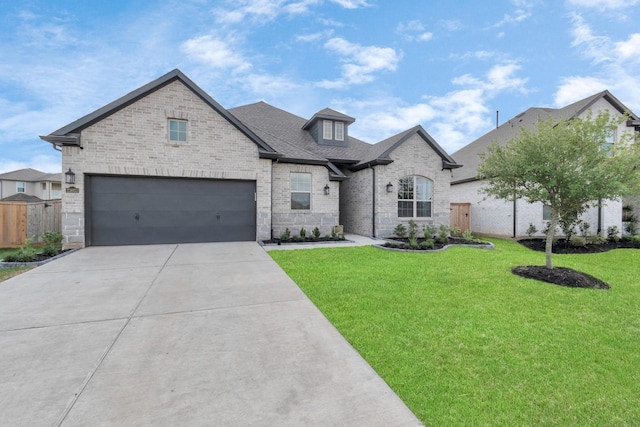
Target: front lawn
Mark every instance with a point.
(463, 341)
(7, 273)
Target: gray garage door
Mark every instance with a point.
(142, 210)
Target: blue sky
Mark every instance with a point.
(390, 64)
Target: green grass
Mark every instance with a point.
(6, 251)
(464, 342)
(7, 273)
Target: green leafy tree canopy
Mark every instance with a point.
(567, 166)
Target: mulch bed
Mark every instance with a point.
(565, 276)
(560, 276)
(563, 247)
(398, 243)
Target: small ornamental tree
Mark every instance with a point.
(568, 166)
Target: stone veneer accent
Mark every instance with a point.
(134, 141)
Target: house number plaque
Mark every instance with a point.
(73, 190)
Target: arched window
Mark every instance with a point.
(414, 197)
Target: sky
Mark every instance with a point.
(390, 64)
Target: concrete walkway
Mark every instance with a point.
(178, 335)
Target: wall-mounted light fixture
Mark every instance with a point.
(389, 187)
(327, 190)
(69, 177)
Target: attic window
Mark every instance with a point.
(339, 131)
(327, 129)
(177, 130)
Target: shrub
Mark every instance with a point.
(52, 243)
(578, 241)
(286, 235)
(454, 231)
(531, 230)
(613, 233)
(429, 231)
(596, 239)
(443, 234)
(631, 226)
(467, 235)
(400, 231)
(413, 229)
(316, 233)
(428, 244)
(584, 228)
(303, 233)
(25, 254)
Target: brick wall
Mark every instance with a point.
(324, 208)
(494, 217)
(413, 157)
(134, 141)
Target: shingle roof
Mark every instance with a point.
(21, 197)
(286, 133)
(30, 175)
(469, 154)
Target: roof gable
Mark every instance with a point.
(30, 175)
(70, 134)
(380, 153)
(469, 155)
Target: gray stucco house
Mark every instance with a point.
(490, 216)
(167, 164)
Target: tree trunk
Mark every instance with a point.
(555, 218)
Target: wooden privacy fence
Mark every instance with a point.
(20, 220)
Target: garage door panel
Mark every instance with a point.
(140, 210)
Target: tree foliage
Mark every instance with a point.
(568, 166)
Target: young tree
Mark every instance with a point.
(568, 166)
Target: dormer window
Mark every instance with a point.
(327, 129)
(339, 131)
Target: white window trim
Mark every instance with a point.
(339, 136)
(292, 192)
(327, 129)
(24, 187)
(414, 200)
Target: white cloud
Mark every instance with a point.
(360, 63)
(453, 119)
(615, 65)
(630, 49)
(575, 88)
(216, 53)
(521, 13)
(43, 163)
(414, 31)
(351, 4)
(263, 11)
(602, 4)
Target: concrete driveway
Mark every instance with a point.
(178, 335)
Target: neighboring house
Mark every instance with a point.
(45, 186)
(498, 217)
(167, 164)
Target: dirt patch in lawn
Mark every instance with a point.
(560, 276)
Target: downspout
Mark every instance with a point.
(373, 203)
